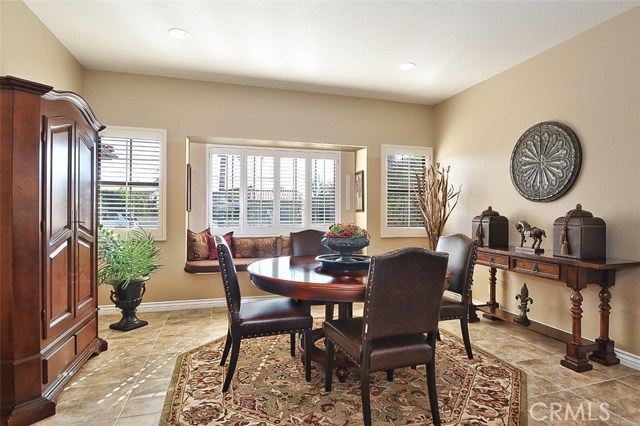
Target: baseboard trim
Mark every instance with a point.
(175, 305)
(628, 359)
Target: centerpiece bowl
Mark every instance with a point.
(346, 246)
(345, 239)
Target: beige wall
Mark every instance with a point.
(188, 108)
(592, 84)
(29, 50)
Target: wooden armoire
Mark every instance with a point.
(48, 258)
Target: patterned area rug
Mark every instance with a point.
(269, 389)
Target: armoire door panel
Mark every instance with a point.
(59, 291)
(87, 184)
(86, 298)
(59, 166)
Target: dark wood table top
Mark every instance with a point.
(607, 263)
(302, 277)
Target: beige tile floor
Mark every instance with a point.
(126, 385)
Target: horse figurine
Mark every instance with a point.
(527, 230)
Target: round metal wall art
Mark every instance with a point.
(546, 161)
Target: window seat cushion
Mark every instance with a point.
(207, 266)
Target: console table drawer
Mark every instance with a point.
(494, 260)
(532, 267)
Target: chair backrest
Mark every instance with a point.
(462, 259)
(229, 275)
(404, 293)
(307, 243)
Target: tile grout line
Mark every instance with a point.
(144, 366)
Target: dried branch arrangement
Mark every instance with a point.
(436, 199)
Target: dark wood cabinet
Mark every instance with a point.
(48, 226)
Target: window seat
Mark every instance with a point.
(245, 251)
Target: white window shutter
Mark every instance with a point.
(225, 183)
(292, 194)
(129, 193)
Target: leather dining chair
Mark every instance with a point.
(307, 243)
(462, 258)
(258, 318)
(399, 324)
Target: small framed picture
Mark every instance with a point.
(360, 191)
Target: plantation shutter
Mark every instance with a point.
(323, 191)
(129, 182)
(292, 191)
(260, 191)
(402, 209)
(225, 181)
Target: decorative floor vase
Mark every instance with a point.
(127, 300)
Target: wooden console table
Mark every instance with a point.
(577, 275)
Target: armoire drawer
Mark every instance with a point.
(85, 336)
(55, 362)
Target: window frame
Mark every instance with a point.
(244, 230)
(385, 151)
(160, 135)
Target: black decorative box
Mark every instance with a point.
(580, 235)
(491, 229)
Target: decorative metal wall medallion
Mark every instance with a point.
(546, 161)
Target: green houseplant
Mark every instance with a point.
(125, 262)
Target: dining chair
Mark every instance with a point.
(259, 318)
(399, 324)
(462, 258)
(307, 243)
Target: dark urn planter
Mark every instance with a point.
(128, 299)
(346, 246)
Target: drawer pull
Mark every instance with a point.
(535, 269)
(492, 260)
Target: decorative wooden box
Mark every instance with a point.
(491, 229)
(580, 235)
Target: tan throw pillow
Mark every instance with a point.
(255, 247)
(242, 247)
(284, 246)
(197, 245)
(265, 247)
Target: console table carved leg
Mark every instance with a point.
(605, 353)
(492, 294)
(576, 357)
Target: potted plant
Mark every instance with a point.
(125, 263)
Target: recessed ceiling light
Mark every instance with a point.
(407, 66)
(179, 33)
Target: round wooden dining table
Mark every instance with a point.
(303, 278)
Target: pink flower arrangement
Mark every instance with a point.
(346, 230)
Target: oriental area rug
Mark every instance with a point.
(269, 389)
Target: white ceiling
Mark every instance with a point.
(339, 47)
